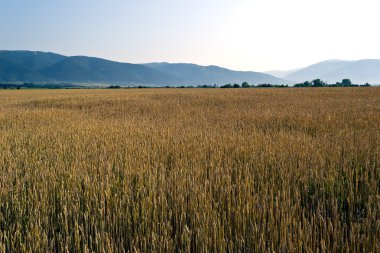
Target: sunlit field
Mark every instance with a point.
(190, 170)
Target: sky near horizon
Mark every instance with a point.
(237, 34)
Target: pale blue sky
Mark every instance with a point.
(238, 34)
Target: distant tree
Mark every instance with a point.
(366, 84)
(268, 85)
(264, 85)
(114, 87)
(318, 83)
(307, 84)
(227, 86)
(245, 85)
(346, 82)
(304, 84)
(205, 86)
(236, 85)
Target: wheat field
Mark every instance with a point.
(190, 170)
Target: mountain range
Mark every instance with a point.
(29, 66)
(332, 71)
(44, 67)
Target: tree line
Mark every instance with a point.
(319, 83)
(314, 83)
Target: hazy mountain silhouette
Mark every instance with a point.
(192, 74)
(91, 69)
(32, 60)
(360, 72)
(28, 66)
(13, 72)
(332, 71)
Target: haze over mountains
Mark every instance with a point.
(281, 73)
(28, 66)
(332, 71)
(194, 74)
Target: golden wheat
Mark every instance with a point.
(192, 170)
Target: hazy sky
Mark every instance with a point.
(238, 34)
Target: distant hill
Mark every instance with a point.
(192, 74)
(13, 72)
(364, 71)
(28, 66)
(16, 66)
(30, 59)
(91, 69)
(333, 71)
